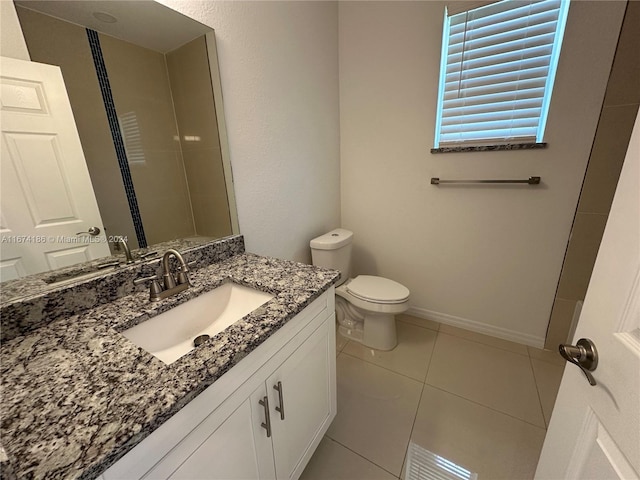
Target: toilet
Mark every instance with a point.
(366, 306)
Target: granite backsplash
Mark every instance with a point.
(29, 303)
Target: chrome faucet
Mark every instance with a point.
(172, 283)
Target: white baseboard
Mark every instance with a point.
(478, 327)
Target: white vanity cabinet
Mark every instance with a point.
(231, 452)
(242, 427)
(302, 401)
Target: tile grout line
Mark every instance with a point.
(415, 417)
(550, 362)
(561, 365)
(343, 346)
(360, 455)
(487, 407)
(393, 371)
(535, 381)
(341, 352)
(380, 366)
(385, 368)
(486, 344)
(420, 326)
(431, 358)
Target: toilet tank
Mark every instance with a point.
(333, 250)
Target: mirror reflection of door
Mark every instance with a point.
(165, 180)
(47, 199)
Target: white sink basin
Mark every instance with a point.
(170, 335)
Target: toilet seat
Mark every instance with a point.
(377, 290)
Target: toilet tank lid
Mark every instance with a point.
(331, 240)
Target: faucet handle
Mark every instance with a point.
(140, 280)
(155, 290)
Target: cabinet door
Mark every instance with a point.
(236, 450)
(306, 401)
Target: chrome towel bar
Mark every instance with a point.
(529, 181)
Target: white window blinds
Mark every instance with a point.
(497, 70)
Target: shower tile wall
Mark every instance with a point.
(620, 108)
(61, 43)
(142, 94)
(190, 77)
(169, 128)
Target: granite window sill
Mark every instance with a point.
(489, 148)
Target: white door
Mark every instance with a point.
(46, 195)
(595, 430)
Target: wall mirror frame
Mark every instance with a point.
(147, 25)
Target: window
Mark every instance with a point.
(496, 73)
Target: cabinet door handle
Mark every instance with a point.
(280, 408)
(267, 426)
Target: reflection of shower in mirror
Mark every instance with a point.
(146, 117)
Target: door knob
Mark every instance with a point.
(93, 231)
(584, 355)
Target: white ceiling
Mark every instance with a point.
(143, 22)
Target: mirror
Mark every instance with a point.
(165, 173)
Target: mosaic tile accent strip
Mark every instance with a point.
(116, 134)
(490, 148)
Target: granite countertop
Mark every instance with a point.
(77, 395)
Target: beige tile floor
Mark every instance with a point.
(478, 401)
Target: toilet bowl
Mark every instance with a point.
(366, 305)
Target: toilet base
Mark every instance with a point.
(379, 331)
(350, 334)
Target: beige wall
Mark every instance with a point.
(190, 78)
(64, 44)
(484, 258)
(616, 122)
(141, 92)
